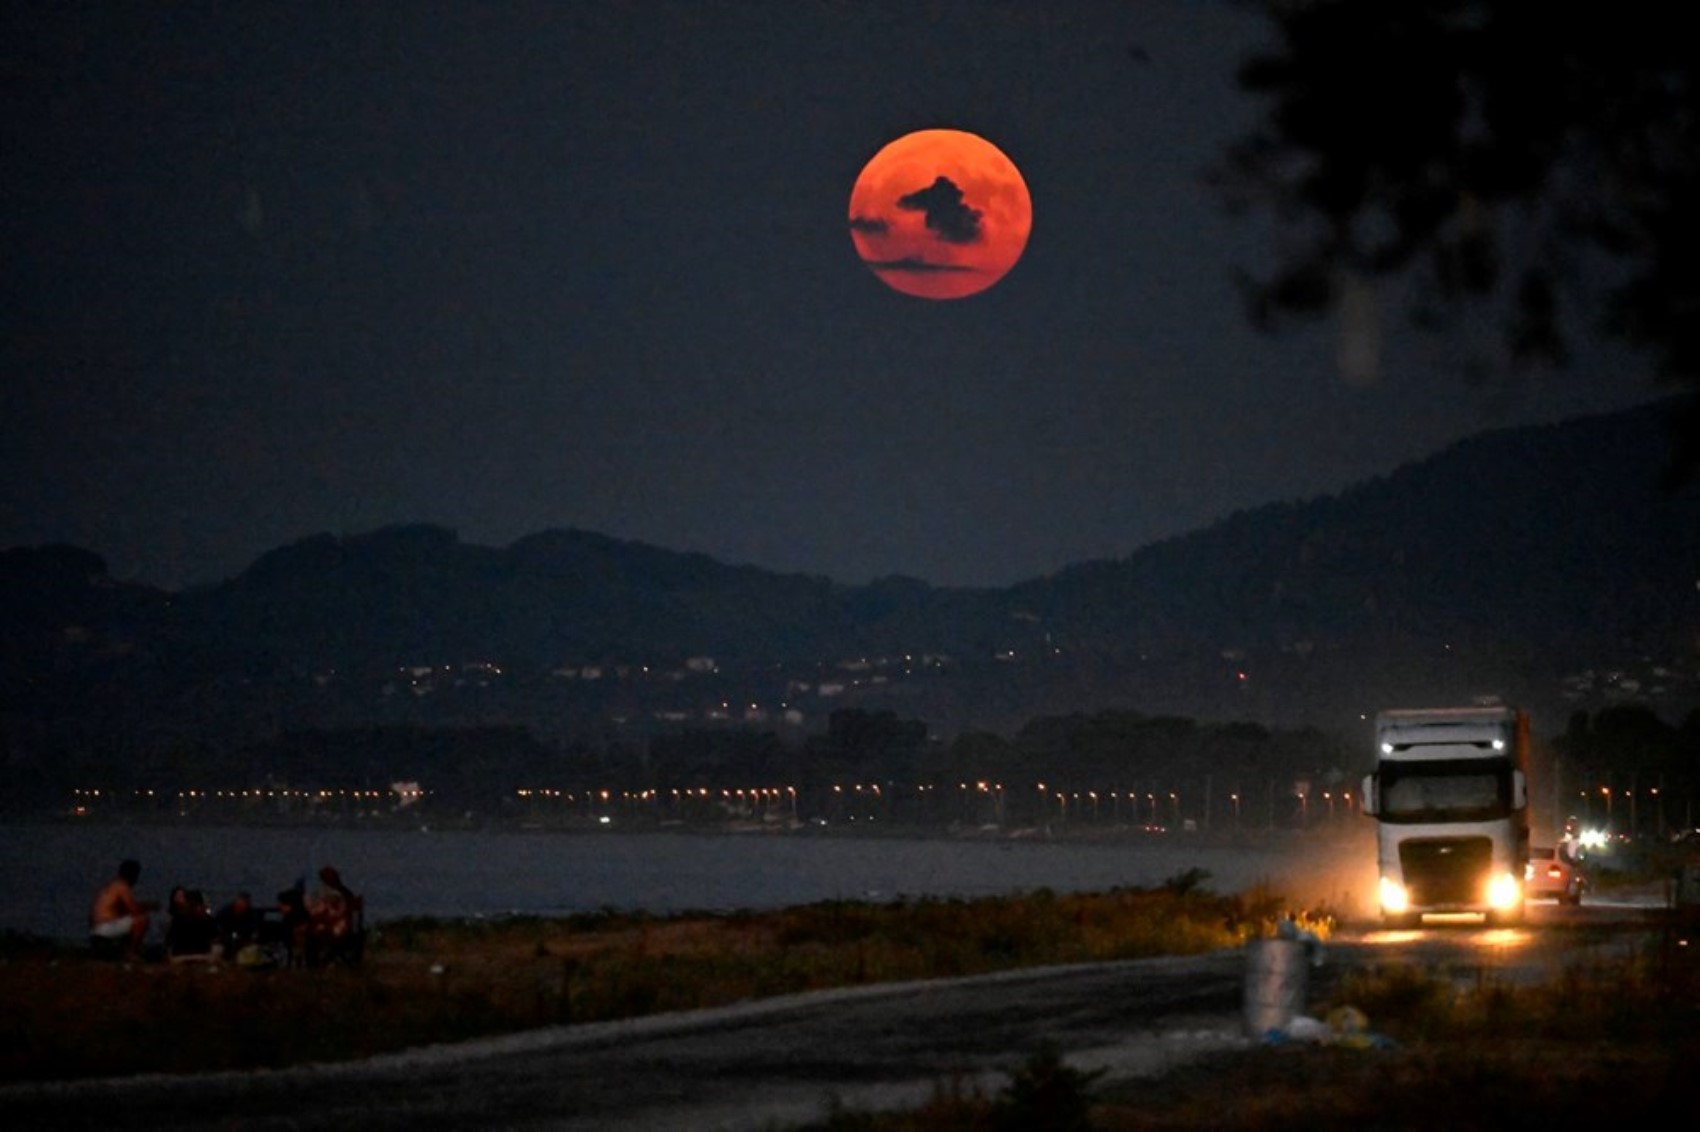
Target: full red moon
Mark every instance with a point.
(940, 214)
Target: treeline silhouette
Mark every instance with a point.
(1620, 769)
(1186, 768)
(1623, 767)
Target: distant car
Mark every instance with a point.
(1549, 876)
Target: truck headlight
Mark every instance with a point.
(1394, 898)
(1504, 892)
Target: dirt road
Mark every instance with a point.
(761, 1065)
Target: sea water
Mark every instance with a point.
(49, 872)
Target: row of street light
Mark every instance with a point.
(982, 802)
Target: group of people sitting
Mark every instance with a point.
(302, 928)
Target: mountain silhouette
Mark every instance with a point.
(1549, 566)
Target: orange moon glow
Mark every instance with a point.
(941, 214)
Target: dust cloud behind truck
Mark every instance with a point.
(1450, 798)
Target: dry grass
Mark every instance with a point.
(64, 1014)
(1464, 1084)
(1609, 1046)
(1470, 1083)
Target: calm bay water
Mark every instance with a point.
(48, 873)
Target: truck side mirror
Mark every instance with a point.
(1519, 790)
(1371, 796)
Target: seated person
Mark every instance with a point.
(334, 916)
(117, 919)
(191, 932)
(293, 921)
(238, 924)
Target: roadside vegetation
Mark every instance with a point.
(1615, 1039)
(1611, 1044)
(65, 1014)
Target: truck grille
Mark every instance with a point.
(1446, 870)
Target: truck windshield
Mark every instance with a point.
(1444, 791)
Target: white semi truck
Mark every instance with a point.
(1450, 796)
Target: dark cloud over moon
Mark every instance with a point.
(873, 225)
(947, 215)
(915, 264)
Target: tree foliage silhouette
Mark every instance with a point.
(1537, 160)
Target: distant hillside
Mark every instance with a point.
(1511, 563)
(1561, 534)
(1539, 564)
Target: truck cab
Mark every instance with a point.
(1449, 795)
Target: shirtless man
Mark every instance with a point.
(117, 915)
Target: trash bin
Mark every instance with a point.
(1277, 979)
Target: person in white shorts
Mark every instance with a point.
(117, 916)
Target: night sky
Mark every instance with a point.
(274, 269)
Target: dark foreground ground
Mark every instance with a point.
(1471, 1031)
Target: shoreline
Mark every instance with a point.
(1084, 833)
(49, 868)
